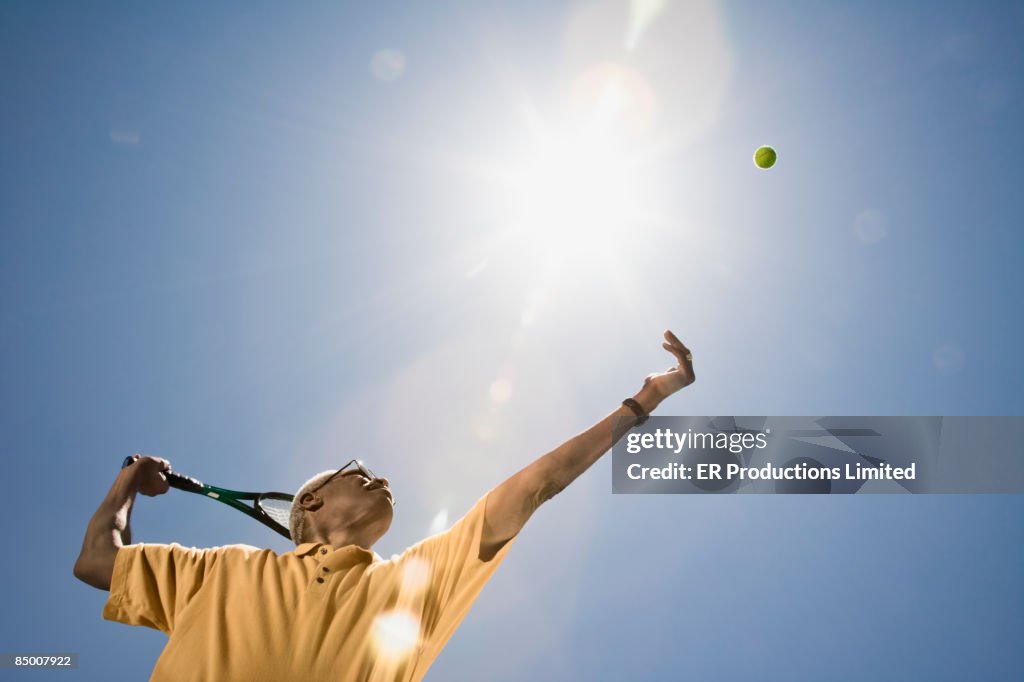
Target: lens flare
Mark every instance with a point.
(415, 576)
(395, 634)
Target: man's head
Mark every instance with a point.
(344, 506)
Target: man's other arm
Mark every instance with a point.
(109, 528)
(510, 505)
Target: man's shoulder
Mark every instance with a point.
(215, 548)
(234, 550)
(241, 550)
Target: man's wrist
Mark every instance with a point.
(128, 481)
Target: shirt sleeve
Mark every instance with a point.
(153, 583)
(453, 572)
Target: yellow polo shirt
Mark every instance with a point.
(317, 613)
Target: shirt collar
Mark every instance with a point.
(356, 553)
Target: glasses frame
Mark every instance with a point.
(359, 466)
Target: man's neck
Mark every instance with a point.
(343, 537)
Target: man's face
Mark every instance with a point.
(354, 499)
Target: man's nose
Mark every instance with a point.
(383, 481)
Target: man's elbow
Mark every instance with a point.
(546, 491)
(93, 572)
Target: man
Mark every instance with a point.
(332, 609)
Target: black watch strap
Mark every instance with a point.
(637, 409)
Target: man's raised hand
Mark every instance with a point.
(664, 384)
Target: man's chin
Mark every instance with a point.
(386, 494)
(385, 505)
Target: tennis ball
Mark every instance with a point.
(765, 157)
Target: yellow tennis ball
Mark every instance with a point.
(765, 157)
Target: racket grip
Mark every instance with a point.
(183, 482)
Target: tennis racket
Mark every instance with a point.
(270, 509)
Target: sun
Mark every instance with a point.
(571, 195)
(580, 181)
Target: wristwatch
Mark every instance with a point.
(637, 409)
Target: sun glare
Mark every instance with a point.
(575, 187)
(570, 191)
(395, 634)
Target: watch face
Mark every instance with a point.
(637, 409)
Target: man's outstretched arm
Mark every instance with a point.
(109, 528)
(511, 504)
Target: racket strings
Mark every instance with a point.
(279, 510)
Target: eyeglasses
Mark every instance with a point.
(354, 465)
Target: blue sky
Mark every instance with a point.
(260, 240)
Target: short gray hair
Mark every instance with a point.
(297, 518)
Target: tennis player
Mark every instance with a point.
(332, 609)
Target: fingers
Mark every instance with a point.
(149, 474)
(164, 465)
(163, 462)
(674, 341)
(679, 353)
(676, 347)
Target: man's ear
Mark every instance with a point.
(311, 501)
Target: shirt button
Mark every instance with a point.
(319, 580)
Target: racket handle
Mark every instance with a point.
(183, 482)
(174, 479)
